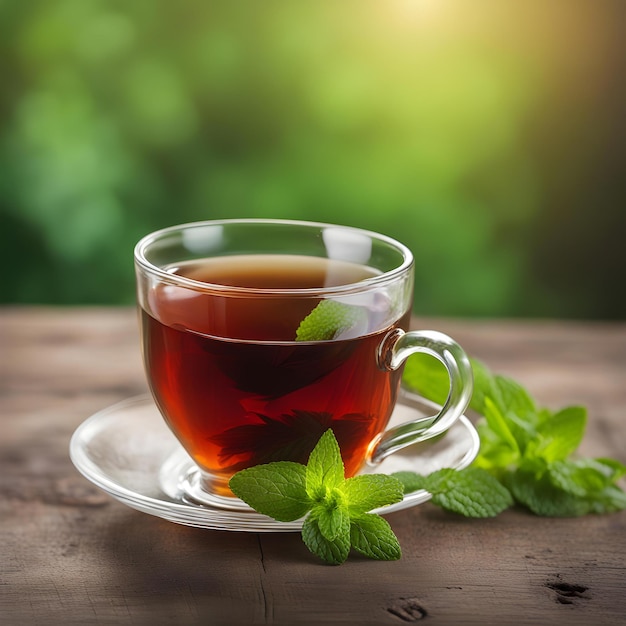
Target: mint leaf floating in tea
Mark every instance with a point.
(274, 370)
(336, 508)
(330, 320)
(530, 451)
(285, 437)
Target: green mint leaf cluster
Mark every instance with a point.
(528, 450)
(336, 508)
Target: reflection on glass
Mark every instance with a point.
(203, 239)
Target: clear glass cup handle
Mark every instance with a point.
(394, 350)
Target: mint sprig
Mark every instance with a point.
(336, 508)
(527, 450)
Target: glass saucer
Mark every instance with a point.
(128, 451)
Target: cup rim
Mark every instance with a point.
(182, 281)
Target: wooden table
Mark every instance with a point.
(70, 554)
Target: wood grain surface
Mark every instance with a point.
(70, 554)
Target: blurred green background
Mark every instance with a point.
(488, 136)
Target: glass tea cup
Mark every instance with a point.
(259, 335)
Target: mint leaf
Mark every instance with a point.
(484, 386)
(512, 397)
(616, 468)
(426, 376)
(567, 488)
(333, 520)
(494, 453)
(583, 477)
(324, 470)
(559, 435)
(330, 320)
(543, 498)
(275, 489)
(334, 551)
(372, 536)
(609, 500)
(411, 481)
(472, 492)
(371, 491)
(290, 436)
(499, 426)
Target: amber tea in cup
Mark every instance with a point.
(259, 335)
